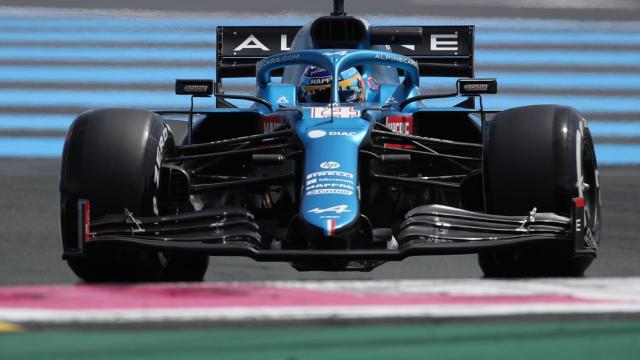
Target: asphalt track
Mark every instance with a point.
(30, 245)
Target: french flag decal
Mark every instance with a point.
(331, 227)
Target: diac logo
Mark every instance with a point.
(330, 165)
(314, 134)
(342, 133)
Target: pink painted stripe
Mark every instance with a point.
(85, 297)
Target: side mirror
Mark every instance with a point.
(474, 87)
(194, 87)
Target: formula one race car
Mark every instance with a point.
(337, 163)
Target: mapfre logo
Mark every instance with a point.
(330, 165)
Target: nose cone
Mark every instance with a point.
(330, 199)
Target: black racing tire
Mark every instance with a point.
(112, 158)
(539, 156)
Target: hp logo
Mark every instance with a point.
(330, 165)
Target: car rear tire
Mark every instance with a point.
(539, 156)
(112, 158)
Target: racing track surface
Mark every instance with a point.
(31, 252)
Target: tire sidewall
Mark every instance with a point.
(545, 157)
(113, 158)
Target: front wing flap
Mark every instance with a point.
(427, 230)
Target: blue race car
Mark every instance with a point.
(337, 163)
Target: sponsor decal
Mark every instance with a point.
(196, 88)
(156, 170)
(331, 227)
(329, 185)
(397, 58)
(329, 192)
(252, 42)
(337, 180)
(373, 83)
(342, 133)
(320, 81)
(336, 112)
(318, 70)
(340, 53)
(270, 123)
(329, 182)
(315, 134)
(319, 174)
(278, 59)
(283, 42)
(475, 87)
(401, 124)
(282, 100)
(330, 165)
(444, 42)
(338, 209)
(391, 100)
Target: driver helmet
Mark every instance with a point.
(315, 86)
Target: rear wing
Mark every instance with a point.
(438, 50)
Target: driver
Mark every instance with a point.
(315, 86)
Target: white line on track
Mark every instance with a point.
(305, 313)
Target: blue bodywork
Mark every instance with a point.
(332, 186)
(332, 133)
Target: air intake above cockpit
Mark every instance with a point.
(339, 32)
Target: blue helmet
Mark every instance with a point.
(315, 86)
